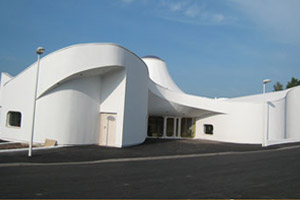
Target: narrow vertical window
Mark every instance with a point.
(155, 126)
(187, 127)
(14, 119)
(170, 127)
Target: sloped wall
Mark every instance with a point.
(70, 112)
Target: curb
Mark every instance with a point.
(26, 149)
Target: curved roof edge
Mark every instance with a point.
(153, 56)
(72, 46)
(95, 43)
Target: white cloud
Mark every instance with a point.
(183, 11)
(218, 18)
(192, 11)
(173, 6)
(176, 6)
(189, 11)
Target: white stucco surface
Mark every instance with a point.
(80, 83)
(76, 84)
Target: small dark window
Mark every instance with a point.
(208, 129)
(14, 119)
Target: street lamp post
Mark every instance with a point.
(266, 113)
(39, 52)
(264, 84)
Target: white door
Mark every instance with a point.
(108, 129)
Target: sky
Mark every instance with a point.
(213, 48)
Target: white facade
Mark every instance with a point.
(104, 94)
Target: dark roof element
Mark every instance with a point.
(152, 56)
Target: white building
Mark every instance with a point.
(104, 94)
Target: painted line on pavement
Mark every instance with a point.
(150, 158)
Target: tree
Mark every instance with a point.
(294, 82)
(278, 86)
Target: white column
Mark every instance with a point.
(165, 127)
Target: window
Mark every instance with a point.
(208, 129)
(177, 128)
(155, 126)
(170, 127)
(14, 119)
(187, 127)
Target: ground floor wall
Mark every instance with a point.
(17, 104)
(112, 101)
(68, 113)
(242, 124)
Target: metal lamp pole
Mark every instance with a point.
(39, 51)
(264, 84)
(266, 114)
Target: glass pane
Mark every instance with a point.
(156, 126)
(170, 127)
(183, 127)
(187, 127)
(208, 129)
(177, 126)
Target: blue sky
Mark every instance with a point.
(213, 48)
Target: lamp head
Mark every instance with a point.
(266, 81)
(40, 50)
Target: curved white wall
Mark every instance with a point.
(293, 113)
(76, 84)
(158, 72)
(70, 113)
(17, 95)
(136, 106)
(276, 119)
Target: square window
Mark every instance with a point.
(208, 129)
(14, 119)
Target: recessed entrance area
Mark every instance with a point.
(108, 123)
(171, 127)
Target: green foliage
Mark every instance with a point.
(294, 82)
(278, 86)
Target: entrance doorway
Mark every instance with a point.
(107, 129)
(171, 127)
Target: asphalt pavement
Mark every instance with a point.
(151, 147)
(156, 169)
